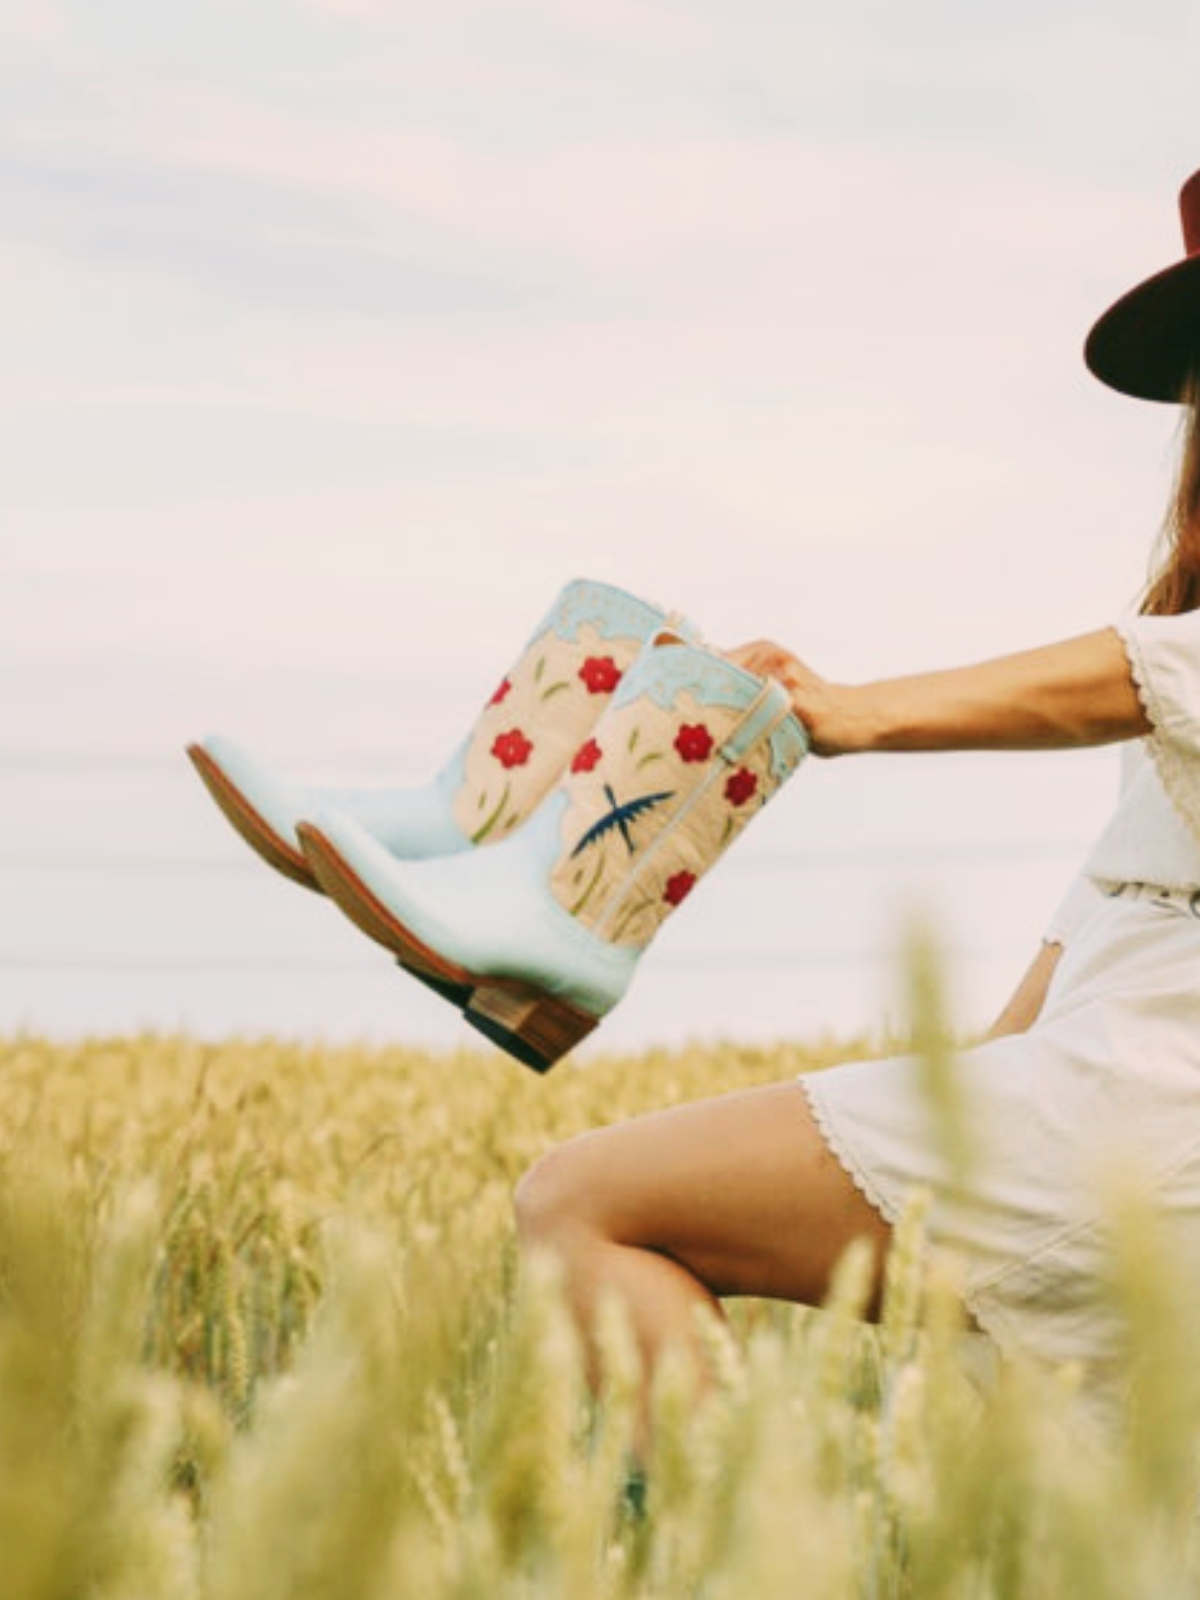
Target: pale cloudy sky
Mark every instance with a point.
(339, 333)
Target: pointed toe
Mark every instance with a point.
(521, 740)
(257, 804)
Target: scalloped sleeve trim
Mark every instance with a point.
(1164, 660)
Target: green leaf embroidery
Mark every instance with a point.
(583, 899)
(623, 921)
(490, 822)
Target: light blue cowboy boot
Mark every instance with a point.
(546, 930)
(521, 742)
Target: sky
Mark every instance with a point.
(339, 334)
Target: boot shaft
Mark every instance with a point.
(691, 747)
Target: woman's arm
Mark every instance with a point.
(1078, 692)
(1023, 1010)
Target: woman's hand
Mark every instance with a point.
(827, 710)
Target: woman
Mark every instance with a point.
(1098, 1051)
(760, 1192)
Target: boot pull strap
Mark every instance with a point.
(770, 706)
(675, 629)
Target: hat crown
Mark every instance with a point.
(1189, 211)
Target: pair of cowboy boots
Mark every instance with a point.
(613, 764)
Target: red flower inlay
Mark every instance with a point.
(512, 749)
(601, 674)
(500, 693)
(694, 742)
(679, 886)
(741, 786)
(586, 757)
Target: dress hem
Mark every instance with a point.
(845, 1157)
(990, 1322)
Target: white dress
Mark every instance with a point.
(1106, 1080)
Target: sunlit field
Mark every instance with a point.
(262, 1335)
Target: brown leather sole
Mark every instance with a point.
(254, 829)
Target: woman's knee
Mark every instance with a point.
(551, 1200)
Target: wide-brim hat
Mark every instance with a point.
(1148, 343)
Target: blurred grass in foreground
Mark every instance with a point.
(261, 1336)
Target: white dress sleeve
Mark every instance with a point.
(1164, 656)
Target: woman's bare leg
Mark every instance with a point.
(733, 1196)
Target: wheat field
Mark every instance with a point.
(262, 1337)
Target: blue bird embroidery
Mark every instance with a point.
(620, 816)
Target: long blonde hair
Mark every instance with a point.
(1175, 585)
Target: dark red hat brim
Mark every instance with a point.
(1148, 343)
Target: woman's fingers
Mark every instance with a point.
(817, 703)
(770, 661)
